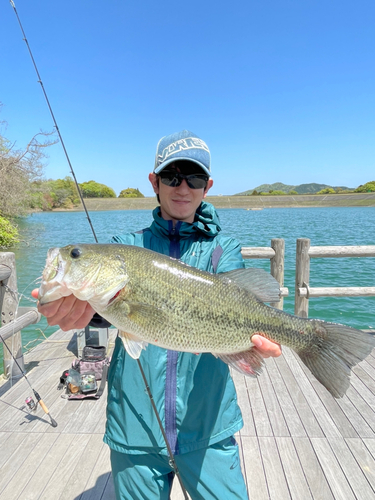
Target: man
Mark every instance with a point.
(194, 393)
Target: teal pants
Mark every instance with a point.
(209, 474)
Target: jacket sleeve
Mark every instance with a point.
(231, 257)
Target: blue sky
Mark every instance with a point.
(281, 91)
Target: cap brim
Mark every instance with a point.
(173, 160)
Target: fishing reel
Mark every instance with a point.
(31, 405)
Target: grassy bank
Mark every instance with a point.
(246, 202)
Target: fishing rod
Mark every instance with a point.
(29, 401)
(172, 461)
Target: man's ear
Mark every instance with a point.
(210, 183)
(153, 178)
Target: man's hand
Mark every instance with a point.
(68, 312)
(265, 347)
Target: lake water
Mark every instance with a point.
(324, 226)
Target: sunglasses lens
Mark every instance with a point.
(196, 181)
(170, 179)
(174, 179)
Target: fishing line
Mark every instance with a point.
(172, 462)
(54, 119)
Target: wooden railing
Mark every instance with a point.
(276, 254)
(303, 291)
(13, 318)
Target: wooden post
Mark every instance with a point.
(8, 308)
(301, 304)
(277, 266)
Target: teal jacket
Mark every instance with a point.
(194, 394)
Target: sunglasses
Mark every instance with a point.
(174, 179)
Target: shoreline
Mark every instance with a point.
(244, 202)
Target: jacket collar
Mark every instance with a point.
(206, 223)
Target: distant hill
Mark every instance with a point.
(300, 189)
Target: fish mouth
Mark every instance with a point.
(52, 287)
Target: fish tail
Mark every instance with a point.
(336, 350)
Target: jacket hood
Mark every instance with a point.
(206, 222)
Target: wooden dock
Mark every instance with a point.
(297, 442)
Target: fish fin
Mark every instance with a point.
(133, 347)
(340, 348)
(257, 281)
(247, 362)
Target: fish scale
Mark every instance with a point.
(152, 298)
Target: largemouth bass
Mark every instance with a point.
(152, 298)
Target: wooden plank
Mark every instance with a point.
(354, 416)
(109, 491)
(275, 476)
(69, 467)
(275, 415)
(260, 416)
(363, 408)
(371, 359)
(312, 469)
(296, 394)
(99, 477)
(3, 439)
(322, 415)
(352, 471)
(287, 406)
(254, 470)
(97, 416)
(77, 481)
(16, 459)
(100, 427)
(331, 404)
(293, 471)
(365, 372)
(10, 443)
(363, 390)
(332, 470)
(370, 444)
(79, 414)
(32, 461)
(244, 403)
(364, 458)
(368, 367)
(50, 463)
(240, 450)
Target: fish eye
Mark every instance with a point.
(75, 253)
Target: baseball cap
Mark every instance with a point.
(183, 145)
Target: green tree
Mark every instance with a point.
(92, 189)
(50, 194)
(131, 193)
(293, 192)
(326, 191)
(8, 233)
(369, 187)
